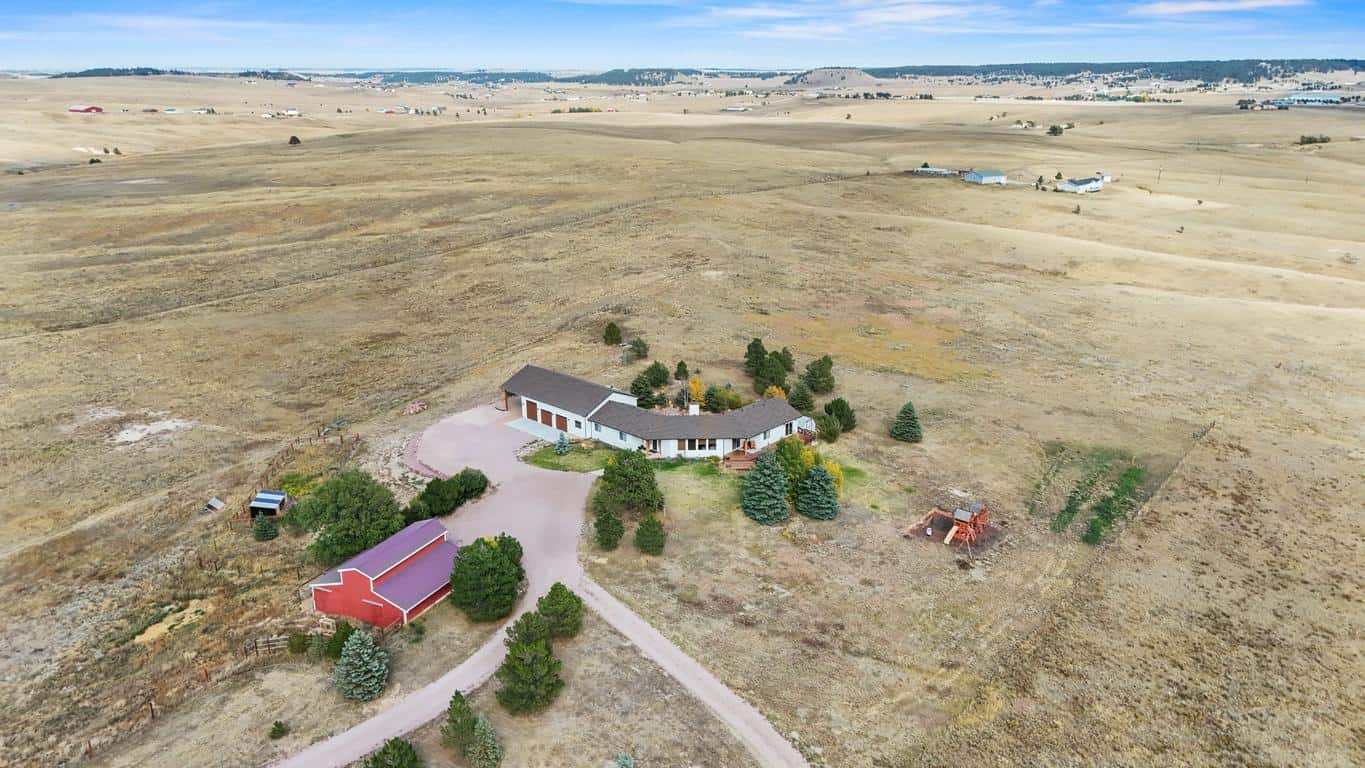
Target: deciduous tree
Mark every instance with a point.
(351, 513)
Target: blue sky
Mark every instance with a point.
(601, 34)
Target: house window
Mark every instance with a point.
(789, 427)
(701, 443)
(579, 425)
(622, 434)
(765, 433)
(596, 427)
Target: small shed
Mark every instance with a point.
(268, 503)
(214, 504)
(984, 177)
(1082, 186)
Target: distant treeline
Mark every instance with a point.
(1238, 70)
(636, 77)
(151, 71)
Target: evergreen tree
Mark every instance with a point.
(819, 375)
(471, 483)
(530, 627)
(906, 428)
(770, 374)
(510, 547)
(609, 529)
(650, 536)
(638, 348)
(264, 528)
(657, 374)
(317, 647)
(363, 669)
(643, 391)
(628, 484)
(457, 732)
(827, 427)
(396, 753)
(486, 751)
(800, 397)
(841, 410)
(754, 356)
(562, 609)
(680, 371)
(765, 492)
(712, 402)
(484, 581)
(337, 641)
(529, 676)
(562, 446)
(818, 498)
(611, 335)
(788, 359)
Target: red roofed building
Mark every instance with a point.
(85, 109)
(394, 581)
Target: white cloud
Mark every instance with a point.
(1184, 7)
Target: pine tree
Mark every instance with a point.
(828, 427)
(657, 374)
(562, 609)
(529, 676)
(819, 375)
(609, 529)
(484, 581)
(264, 528)
(643, 391)
(765, 492)
(337, 641)
(457, 732)
(754, 356)
(788, 359)
(562, 446)
(396, 753)
(628, 484)
(906, 427)
(363, 669)
(800, 398)
(841, 410)
(530, 627)
(638, 348)
(680, 371)
(770, 374)
(486, 751)
(650, 536)
(818, 498)
(611, 335)
(712, 402)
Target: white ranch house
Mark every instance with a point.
(551, 402)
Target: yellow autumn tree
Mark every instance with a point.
(774, 391)
(837, 472)
(695, 390)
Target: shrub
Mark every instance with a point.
(484, 581)
(278, 730)
(472, 483)
(819, 375)
(562, 610)
(457, 732)
(611, 334)
(801, 398)
(650, 536)
(363, 669)
(1320, 139)
(529, 676)
(1113, 506)
(828, 427)
(624, 760)
(836, 473)
(638, 349)
(906, 428)
(774, 391)
(317, 647)
(264, 528)
(486, 751)
(680, 371)
(841, 410)
(337, 641)
(1058, 177)
(396, 753)
(657, 374)
(530, 627)
(754, 356)
(442, 496)
(298, 642)
(1054, 130)
(351, 512)
(562, 446)
(818, 499)
(609, 529)
(764, 499)
(628, 484)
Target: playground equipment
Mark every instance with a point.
(968, 526)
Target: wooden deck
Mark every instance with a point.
(739, 461)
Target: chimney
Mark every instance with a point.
(693, 409)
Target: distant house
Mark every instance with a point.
(86, 109)
(926, 171)
(394, 581)
(1081, 186)
(984, 177)
(551, 402)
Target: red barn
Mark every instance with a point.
(85, 109)
(394, 581)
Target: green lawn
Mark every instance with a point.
(584, 457)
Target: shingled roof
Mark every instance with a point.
(743, 422)
(561, 390)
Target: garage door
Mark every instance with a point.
(561, 423)
(530, 410)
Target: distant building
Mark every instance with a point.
(394, 581)
(922, 171)
(1081, 186)
(1308, 99)
(985, 177)
(269, 503)
(86, 109)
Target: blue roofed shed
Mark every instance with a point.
(984, 177)
(269, 503)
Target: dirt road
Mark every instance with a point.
(544, 511)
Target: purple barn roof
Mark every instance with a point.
(414, 581)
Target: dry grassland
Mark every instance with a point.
(1203, 315)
